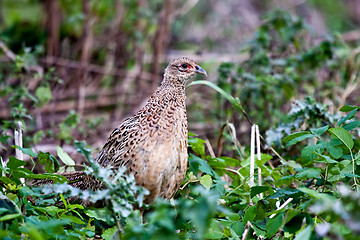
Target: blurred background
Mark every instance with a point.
(74, 69)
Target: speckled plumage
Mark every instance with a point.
(152, 144)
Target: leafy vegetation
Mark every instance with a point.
(309, 166)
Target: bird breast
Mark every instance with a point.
(161, 157)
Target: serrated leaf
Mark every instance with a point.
(319, 131)
(344, 136)
(206, 181)
(65, 158)
(297, 137)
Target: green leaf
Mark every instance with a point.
(326, 158)
(309, 173)
(80, 147)
(316, 194)
(351, 125)
(197, 145)
(297, 137)
(206, 181)
(56, 178)
(349, 116)
(10, 216)
(260, 210)
(258, 189)
(319, 131)
(348, 108)
(15, 163)
(51, 163)
(43, 93)
(336, 152)
(197, 164)
(344, 136)
(27, 151)
(305, 234)
(73, 219)
(231, 99)
(273, 225)
(65, 158)
(308, 153)
(249, 214)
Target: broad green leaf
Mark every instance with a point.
(273, 225)
(319, 131)
(214, 231)
(326, 158)
(316, 194)
(344, 136)
(206, 181)
(234, 217)
(15, 163)
(110, 233)
(197, 145)
(51, 163)
(21, 173)
(65, 158)
(348, 108)
(297, 137)
(309, 173)
(27, 151)
(258, 189)
(197, 164)
(73, 219)
(249, 214)
(99, 214)
(56, 178)
(304, 234)
(260, 210)
(336, 152)
(308, 153)
(44, 95)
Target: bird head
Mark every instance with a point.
(180, 70)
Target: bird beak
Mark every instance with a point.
(198, 69)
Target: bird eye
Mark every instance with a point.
(184, 65)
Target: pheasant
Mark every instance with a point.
(152, 144)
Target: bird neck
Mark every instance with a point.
(171, 81)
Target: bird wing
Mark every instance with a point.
(119, 144)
